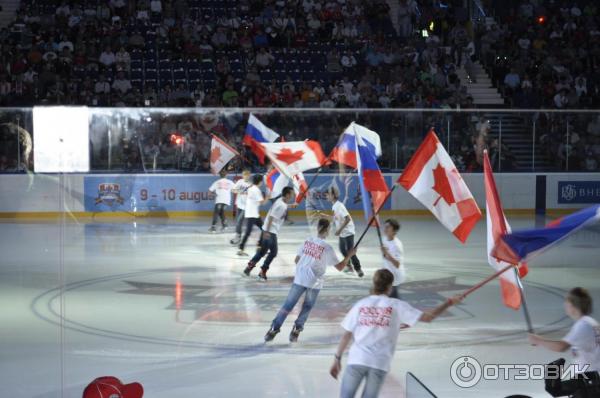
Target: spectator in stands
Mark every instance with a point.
(121, 83)
(512, 80)
(107, 58)
(264, 58)
(560, 99)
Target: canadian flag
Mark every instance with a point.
(300, 186)
(433, 180)
(496, 227)
(220, 154)
(294, 157)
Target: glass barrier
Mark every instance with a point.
(177, 140)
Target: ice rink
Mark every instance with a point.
(163, 302)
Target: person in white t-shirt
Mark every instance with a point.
(222, 188)
(240, 190)
(393, 254)
(254, 199)
(344, 228)
(312, 260)
(268, 239)
(374, 324)
(584, 337)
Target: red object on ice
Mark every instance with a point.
(111, 387)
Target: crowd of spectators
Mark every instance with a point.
(546, 55)
(304, 54)
(285, 53)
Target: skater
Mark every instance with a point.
(268, 239)
(254, 199)
(393, 255)
(584, 337)
(312, 260)
(241, 190)
(374, 324)
(222, 188)
(344, 228)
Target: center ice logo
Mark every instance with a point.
(109, 193)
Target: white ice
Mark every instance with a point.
(164, 303)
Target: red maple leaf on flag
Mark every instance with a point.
(215, 154)
(288, 156)
(442, 185)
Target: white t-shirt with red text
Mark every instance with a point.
(315, 256)
(222, 188)
(241, 188)
(277, 212)
(375, 323)
(339, 217)
(584, 338)
(254, 198)
(396, 250)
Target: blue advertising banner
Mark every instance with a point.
(584, 192)
(140, 192)
(159, 193)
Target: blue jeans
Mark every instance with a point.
(266, 245)
(296, 291)
(355, 374)
(250, 223)
(239, 221)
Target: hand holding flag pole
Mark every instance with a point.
(375, 213)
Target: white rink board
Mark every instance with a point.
(40, 192)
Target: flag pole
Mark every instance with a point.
(375, 215)
(487, 280)
(494, 276)
(314, 177)
(524, 302)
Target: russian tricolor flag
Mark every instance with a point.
(256, 133)
(525, 244)
(345, 151)
(359, 148)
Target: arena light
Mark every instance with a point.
(177, 139)
(541, 19)
(61, 139)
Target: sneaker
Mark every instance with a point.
(212, 230)
(262, 276)
(242, 253)
(348, 270)
(249, 269)
(223, 228)
(236, 240)
(271, 334)
(294, 334)
(360, 273)
(288, 222)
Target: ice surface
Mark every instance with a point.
(163, 302)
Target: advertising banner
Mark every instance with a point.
(581, 192)
(160, 193)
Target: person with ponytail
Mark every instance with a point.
(374, 323)
(312, 259)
